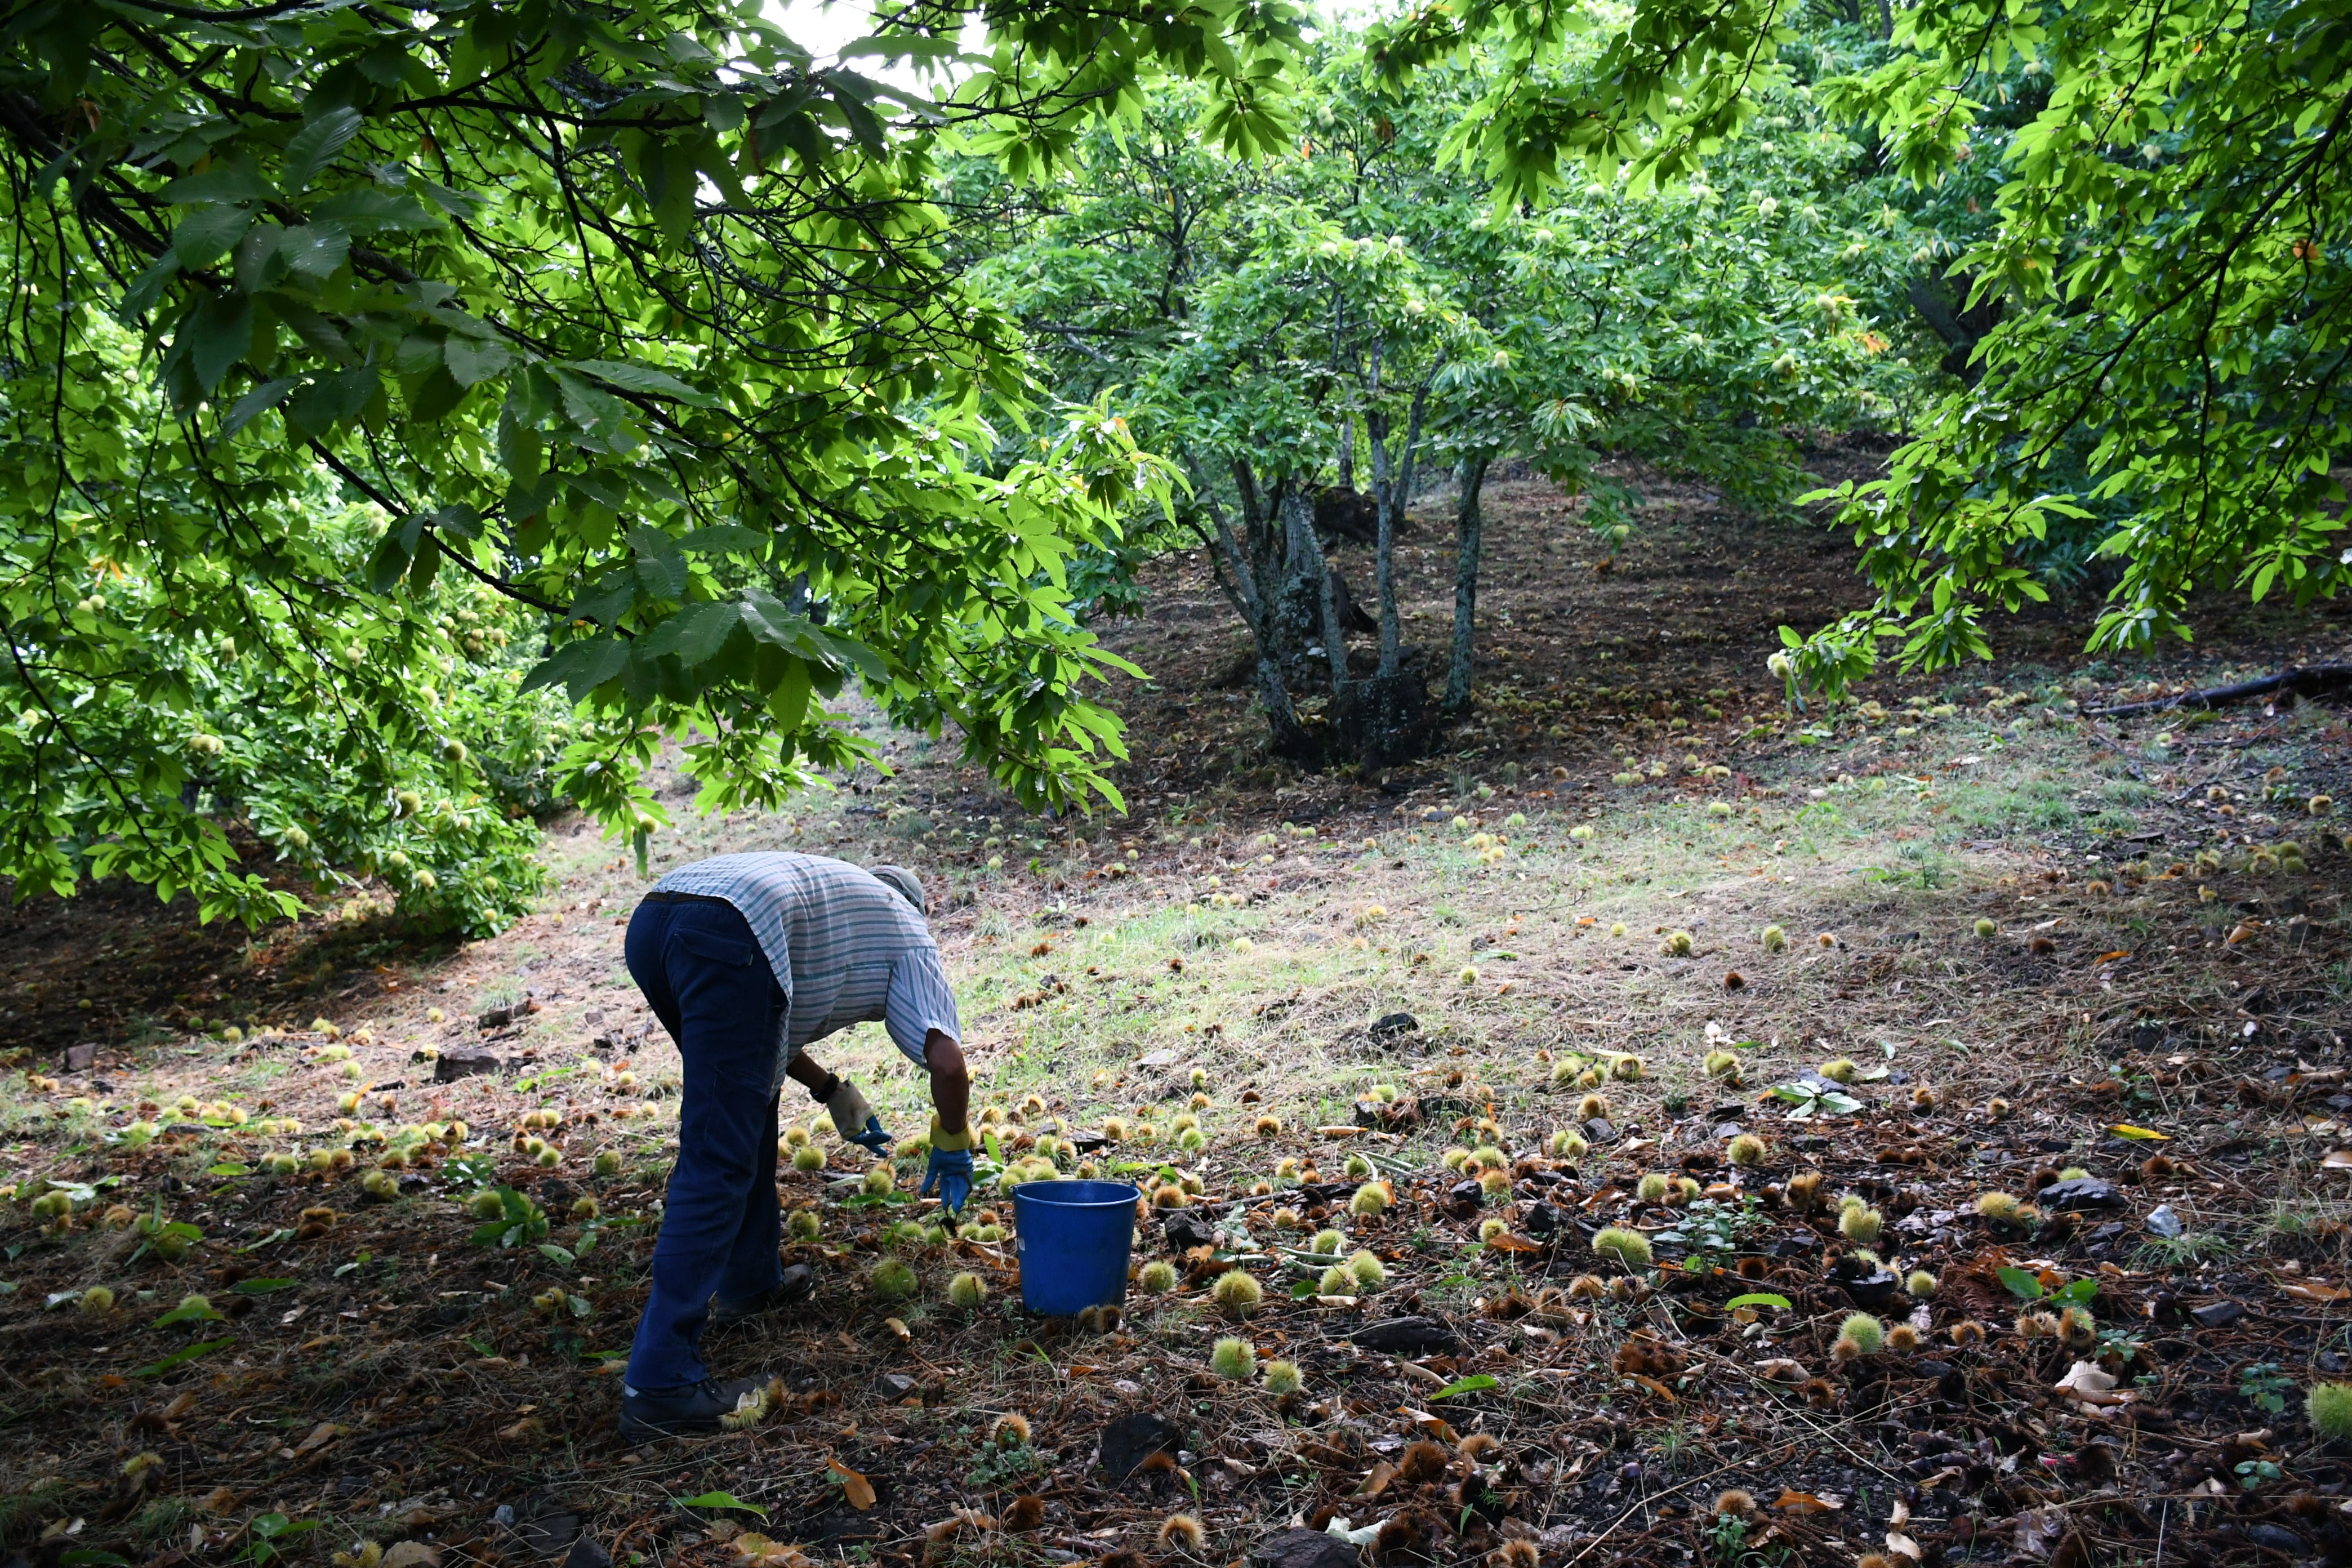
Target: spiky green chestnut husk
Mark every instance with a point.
(1283, 1377)
(891, 1281)
(1238, 1292)
(1865, 1331)
(1336, 1281)
(1746, 1150)
(1327, 1243)
(1158, 1277)
(1629, 1247)
(1652, 1188)
(1775, 939)
(1367, 1270)
(2329, 1406)
(1921, 1284)
(808, 1157)
(1233, 1359)
(967, 1290)
(1860, 1225)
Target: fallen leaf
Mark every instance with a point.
(2338, 1160)
(2139, 1134)
(411, 1554)
(1378, 1481)
(2091, 1386)
(1655, 1386)
(1506, 1242)
(854, 1486)
(2038, 1529)
(2312, 1291)
(1903, 1545)
(1780, 1369)
(1806, 1503)
(324, 1433)
(1337, 1131)
(2110, 958)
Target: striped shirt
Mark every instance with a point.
(844, 946)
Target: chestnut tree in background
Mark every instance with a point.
(366, 374)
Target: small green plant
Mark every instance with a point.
(518, 1220)
(2264, 1386)
(267, 1530)
(2253, 1473)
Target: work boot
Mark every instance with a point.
(798, 1283)
(692, 1411)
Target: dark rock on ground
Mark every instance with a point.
(1393, 1023)
(465, 1061)
(1875, 1292)
(1132, 1439)
(1186, 1230)
(1407, 1336)
(2082, 1193)
(1303, 1548)
(2217, 1314)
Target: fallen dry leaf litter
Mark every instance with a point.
(408, 1358)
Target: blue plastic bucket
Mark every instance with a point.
(1073, 1239)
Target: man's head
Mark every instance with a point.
(903, 882)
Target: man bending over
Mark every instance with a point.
(745, 959)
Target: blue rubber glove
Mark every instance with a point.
(874, 1137)
(949, 1168)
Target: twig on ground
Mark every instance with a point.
(2303, 681)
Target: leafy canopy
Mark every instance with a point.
(2164, 264)
(625, 316)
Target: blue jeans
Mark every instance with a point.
(707, 982)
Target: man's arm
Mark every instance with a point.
(950, 1167)
(805, 1072)
(950, 1080)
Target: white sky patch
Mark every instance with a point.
(826, 26)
